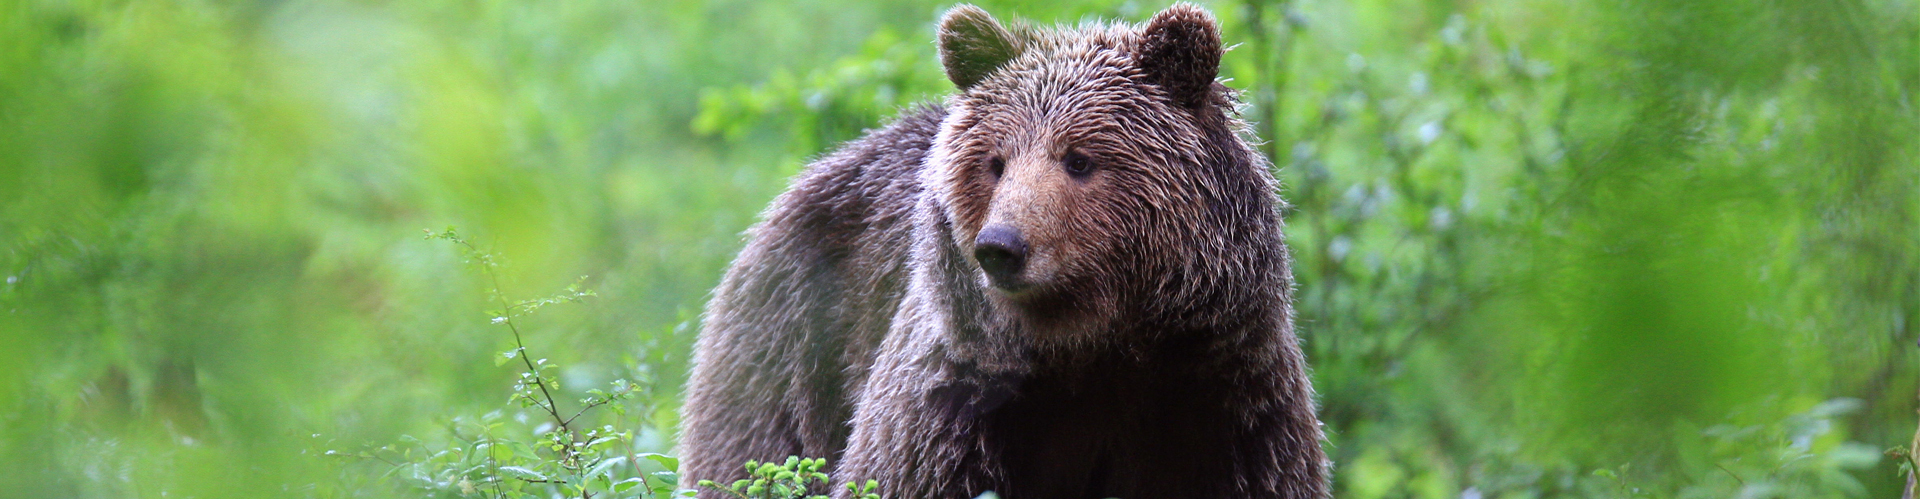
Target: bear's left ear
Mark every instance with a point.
(1180, 51)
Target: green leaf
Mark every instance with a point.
(523, 473)
(1853, 455)
(601, 440)
(669, 462)
(603, 467)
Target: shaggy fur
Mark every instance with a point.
(1144, 349)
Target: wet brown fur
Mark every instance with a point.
(1148, 350)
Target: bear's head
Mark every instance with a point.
(1095, 174)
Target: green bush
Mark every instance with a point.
(489, 456)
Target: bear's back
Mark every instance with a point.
(792, 327)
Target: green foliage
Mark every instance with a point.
(1795, 457)
(481, 456)
(1673, 243)
(794, 479)
(829, 104)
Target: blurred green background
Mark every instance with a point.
(1624, 248)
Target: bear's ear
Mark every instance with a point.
(973, 45)
(1180, 51)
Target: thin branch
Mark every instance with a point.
(571, 451)
(493, 463)
(486, 266)
(583, 410)
(1912, 467)
(365, 455)
(1736, 476)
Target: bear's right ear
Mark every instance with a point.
(973, 45)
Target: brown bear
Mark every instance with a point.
(1068, 281)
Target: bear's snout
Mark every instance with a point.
(1002, 253)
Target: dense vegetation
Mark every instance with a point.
(1659, 248)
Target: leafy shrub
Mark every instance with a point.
(794, 479)
(491, 455)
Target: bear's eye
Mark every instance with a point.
(1078, 165)
(997, 166)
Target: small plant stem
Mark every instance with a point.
(570, 453)
(551, 408)
(493, 463)
(520, 346)
(377, 457)
(583, 410)
(646, 488)
(517, 342)
(1912, 468)
(1736, 476)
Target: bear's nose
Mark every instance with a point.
(1001, 252)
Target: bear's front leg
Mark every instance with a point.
(916, 425)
